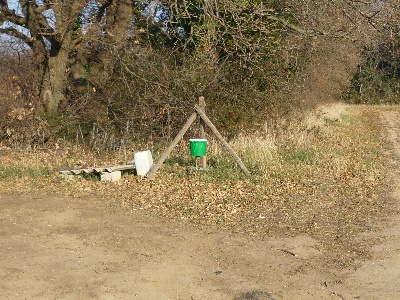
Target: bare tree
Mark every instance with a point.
(53, 32)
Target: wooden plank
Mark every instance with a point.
(219, 136)
(98, 170)
(168, 151)
(121, 168)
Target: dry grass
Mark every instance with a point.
(299, 139)
(324, 178)
(333, 112)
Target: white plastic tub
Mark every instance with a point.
(143, 162)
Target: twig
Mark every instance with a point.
(288, 252)
(340, 296)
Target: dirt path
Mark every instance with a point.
(72, 248)
(55, 248)
(379, 278)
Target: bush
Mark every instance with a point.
(377, 79)
(19, 123)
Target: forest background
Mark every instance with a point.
(109, 73)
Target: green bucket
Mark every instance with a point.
(198, 147)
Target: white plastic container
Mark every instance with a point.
(143, 162)
(110, 176)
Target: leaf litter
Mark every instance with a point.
(337, 193)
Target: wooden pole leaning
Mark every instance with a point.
(222, 140)
(202, 105)
(204, 120)
(171, 147)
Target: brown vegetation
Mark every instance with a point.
(112, 81)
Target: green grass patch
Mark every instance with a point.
(306, 155)
(8, 173)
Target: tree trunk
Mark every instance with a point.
(117, 22)
(55, 74)
(54, 84)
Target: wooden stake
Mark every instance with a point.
(167, 152)
(202, 105)
(219, 136)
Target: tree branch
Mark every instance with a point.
(10, 15)
(24, 6)
(46, 6)
(365, 16)
(294, 27)
(15, 33)
(102, 9)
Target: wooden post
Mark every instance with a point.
(202, 105)
(167, 152)
(219, 136)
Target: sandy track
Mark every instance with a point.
(379, 277)
(53, 248)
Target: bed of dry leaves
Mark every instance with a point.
(331, 185)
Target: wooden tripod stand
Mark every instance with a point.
(204, 120)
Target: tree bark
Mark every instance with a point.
(54, 84)
(55, 75)
(117, 20)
